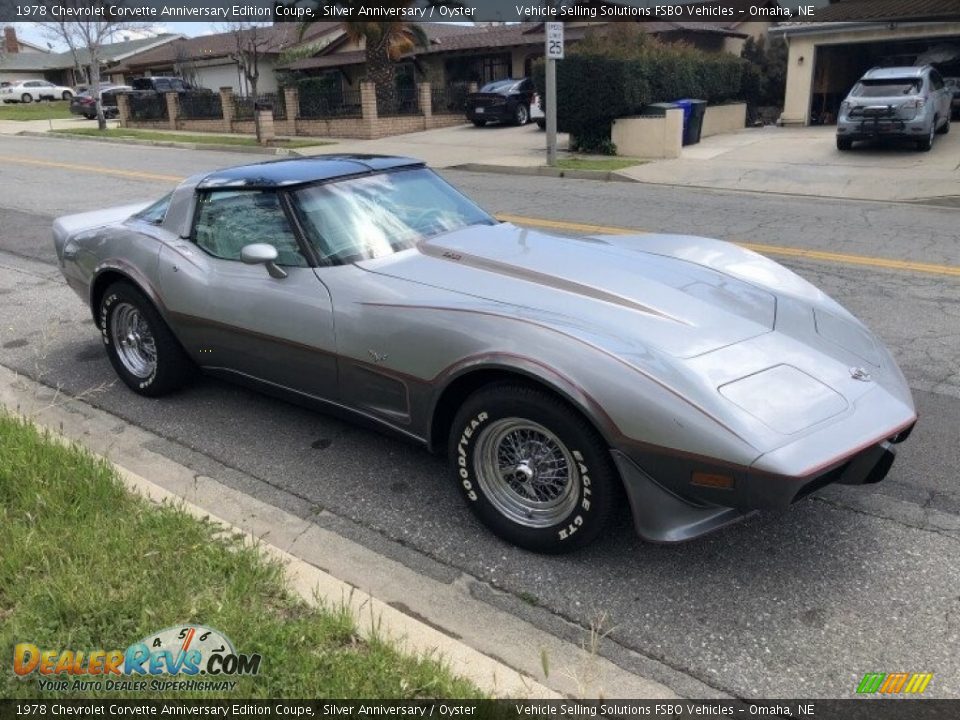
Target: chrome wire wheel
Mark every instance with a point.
(526, 472)
(133, 340)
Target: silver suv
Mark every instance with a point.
(907, 102)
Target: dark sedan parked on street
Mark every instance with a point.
(506, 101)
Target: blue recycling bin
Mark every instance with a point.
(693, 112)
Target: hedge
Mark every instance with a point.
(596, 86)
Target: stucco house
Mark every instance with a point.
(827, 57)
(207, 60)
(62, 67)
(481, 54)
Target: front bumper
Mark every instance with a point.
(675, 508)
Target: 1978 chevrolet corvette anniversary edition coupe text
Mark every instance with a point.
(700, 379)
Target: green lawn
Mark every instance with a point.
(86, 565)
(133, 133)
(605, 164)
(35, 110)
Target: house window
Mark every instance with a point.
(480, 69)
(494, 67)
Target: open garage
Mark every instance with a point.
(827, 58)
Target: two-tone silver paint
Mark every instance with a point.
(688, 355)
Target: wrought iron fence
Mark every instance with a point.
(147, 106)
(244, 106)
(200, 106)
(406, 102)
(449, 98)
(317, 103)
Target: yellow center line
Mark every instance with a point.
(95, 169)
(821, 255)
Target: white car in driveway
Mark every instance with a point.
(26, 91)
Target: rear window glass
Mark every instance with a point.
(887, 88)
(499, 86)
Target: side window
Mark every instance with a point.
(156, 212)
(230, 219)
(936, 82)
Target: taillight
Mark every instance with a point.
(845, 106)
(917, 103)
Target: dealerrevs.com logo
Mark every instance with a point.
(188, 657)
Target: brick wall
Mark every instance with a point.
(368, 127)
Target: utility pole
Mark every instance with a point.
(554, 52)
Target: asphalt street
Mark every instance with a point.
(799, 603)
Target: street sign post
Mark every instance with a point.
(554, 52)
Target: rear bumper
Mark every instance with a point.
(498, 113)
(870, 128)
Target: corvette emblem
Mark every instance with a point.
(858, 373)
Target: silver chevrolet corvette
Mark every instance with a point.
(696, 378)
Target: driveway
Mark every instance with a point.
(805, 161)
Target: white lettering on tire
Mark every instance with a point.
(468, 433)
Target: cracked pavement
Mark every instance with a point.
(795, 603)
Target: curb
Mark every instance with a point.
(545, 171)
(166, 143)
(430, 609)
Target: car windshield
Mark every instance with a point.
(499, 86)
(892, 87)
(369, 217)
(143, 84)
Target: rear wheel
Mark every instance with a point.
(142, 349)
(26, 98)
(945, 128)
(479, 123)
(67, 95)
(926, 143)
(532, 469)
(844, 143)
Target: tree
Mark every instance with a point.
(383, 42)
(251, 41)
(88, 37)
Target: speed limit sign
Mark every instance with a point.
(554, 41)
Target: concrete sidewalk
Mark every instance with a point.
(795, 161)
(506, 146)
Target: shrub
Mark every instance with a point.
(616, 75)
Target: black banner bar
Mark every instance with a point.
(207, 11)
(859, 709)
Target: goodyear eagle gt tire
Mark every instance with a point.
(142, 349)
(532, 469)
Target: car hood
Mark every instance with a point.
(645, 300)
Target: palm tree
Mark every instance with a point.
(384, 42)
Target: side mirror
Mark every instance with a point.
(263, 254)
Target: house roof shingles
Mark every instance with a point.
(109, 53)
(278, 38)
